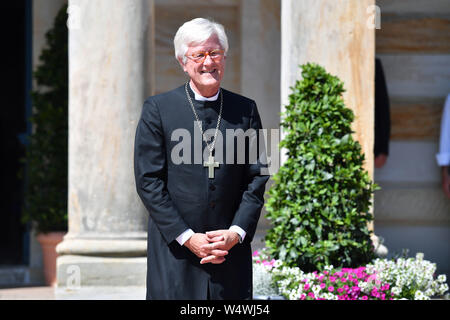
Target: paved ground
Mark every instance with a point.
(84, 293)
(28, 293)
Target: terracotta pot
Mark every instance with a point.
(48, 242)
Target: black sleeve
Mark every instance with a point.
(382, 112)
(150, 170)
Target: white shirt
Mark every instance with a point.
(202, 98)
(443, 157)
(182, 238)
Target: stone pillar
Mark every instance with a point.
(340, 36)
(110, 75)
(260, 77)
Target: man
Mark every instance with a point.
(443, 157)
(203, 214)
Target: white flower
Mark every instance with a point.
(443, 288)
(262, 281)
(429, 292)
(442, 278)
(420, 296)
(396, 291)
(419, 256)
(278, 263)
(316, 289)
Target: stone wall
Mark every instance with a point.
(411, 210)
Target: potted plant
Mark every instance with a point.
(45, 199)
(319, 202)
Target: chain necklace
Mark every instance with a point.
(211, 164)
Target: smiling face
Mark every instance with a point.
(205, 75)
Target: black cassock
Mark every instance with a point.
(181, 196)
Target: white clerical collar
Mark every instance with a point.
(202, 98)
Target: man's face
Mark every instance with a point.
(205, 75)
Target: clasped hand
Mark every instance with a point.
(212, 246)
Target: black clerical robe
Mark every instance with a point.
(181, 196)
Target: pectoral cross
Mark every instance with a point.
(211, 164)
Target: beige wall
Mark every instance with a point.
(170, 15)
(413, 44)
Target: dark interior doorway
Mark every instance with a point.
(16, 38)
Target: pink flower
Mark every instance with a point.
(322, 285)
(343, 279)
(321, 278)
(311, 294)
(346, 287)
(331, 288)
(306, 287)
(371, 277)
(340, 290)
(302, 297)
(364, 298)
(255, 253)
(374, 292)
(332, 279)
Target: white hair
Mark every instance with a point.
(195, 32)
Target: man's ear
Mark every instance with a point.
(182, 64)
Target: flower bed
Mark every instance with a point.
(383, 279)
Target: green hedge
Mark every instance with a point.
(320, 200)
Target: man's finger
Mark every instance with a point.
(212, 259)
(219, 253)
(214, 233)
(212, 246)
(216, 239)
(218, 260)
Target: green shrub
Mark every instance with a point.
(45, 200)
(320, 200)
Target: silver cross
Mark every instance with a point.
(211, 164)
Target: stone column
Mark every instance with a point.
(110, 74)
(340, 36)
(260, 77)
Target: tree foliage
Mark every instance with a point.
(320, 200)
(45, 200)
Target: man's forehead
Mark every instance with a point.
(211, 43)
